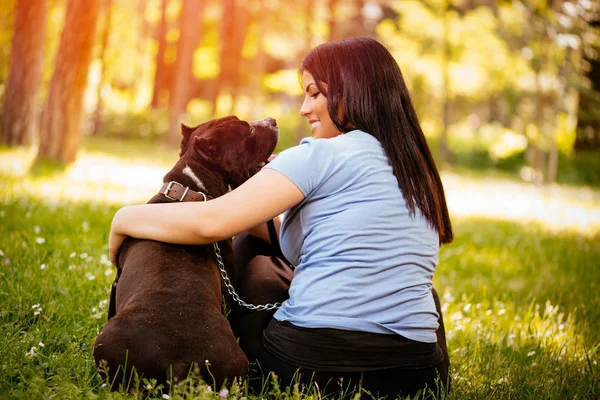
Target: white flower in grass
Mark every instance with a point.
(223, 394)
(531, 353)
(166, 396)
(31, 353)
(37, 229)
(90, 276)
(72, 267)
(103, 303)
(40, 240)
(467, 307)
(41, 344)
(108, 272)
(43, 266)
(104, 260)
(103, 385)
(457, 316)
(83, 255)
(37, 309)
(73, 254)
(501, 311)
(448, 297)
(1, 253)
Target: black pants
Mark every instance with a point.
(265, 278)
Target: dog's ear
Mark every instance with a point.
(186, 133)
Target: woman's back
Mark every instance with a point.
(363, 262)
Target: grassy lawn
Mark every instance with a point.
(520, 284)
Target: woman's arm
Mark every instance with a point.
(264, 196)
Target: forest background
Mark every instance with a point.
(510, 85)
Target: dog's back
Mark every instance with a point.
(169, 316)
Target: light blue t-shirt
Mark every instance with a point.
(362, 262)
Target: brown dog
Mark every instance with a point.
(165, 315)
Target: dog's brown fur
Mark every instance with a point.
(169, 297)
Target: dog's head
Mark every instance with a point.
(232, 148)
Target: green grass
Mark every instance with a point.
(521, 299)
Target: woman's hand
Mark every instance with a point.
(115, 240)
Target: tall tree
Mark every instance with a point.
(21, 98)
(189, 38)
(260, 14)
(160, 74)
(588, 115)
(234, 27)
(97, 118)
(332, 23)
(60, 127)
(445, 65)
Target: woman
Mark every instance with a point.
(365, 214)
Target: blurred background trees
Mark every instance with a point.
(511, 85)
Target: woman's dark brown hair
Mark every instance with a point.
(363, 79)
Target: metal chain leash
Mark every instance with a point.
(231, 290)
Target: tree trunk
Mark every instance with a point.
(444, 149)
(552, 162)
(259, 62)
(161, 71)
(234, 27)
(588, 113)
(20, 114)
(332, 23)
(188, 41)
(60, 129)
(139, 60)
(97, 119)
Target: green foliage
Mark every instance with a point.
(582, 169)
(147, 124)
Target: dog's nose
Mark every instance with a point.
(271, 121)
